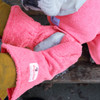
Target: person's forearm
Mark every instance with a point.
(7, 72)
(4, 14)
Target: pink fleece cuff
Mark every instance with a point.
(26, 61)
(21, 30)
(35, 67)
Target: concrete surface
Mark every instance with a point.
(64, 92)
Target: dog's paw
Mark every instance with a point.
(49, 42)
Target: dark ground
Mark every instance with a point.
(65, 92)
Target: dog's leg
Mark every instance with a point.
(49, 42)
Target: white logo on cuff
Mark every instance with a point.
(34, 69)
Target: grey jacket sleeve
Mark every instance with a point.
(71, 6)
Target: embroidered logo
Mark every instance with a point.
(55, 20)
(34, 69)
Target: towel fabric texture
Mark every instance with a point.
(35, 67)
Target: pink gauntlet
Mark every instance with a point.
(35, 67)
(21, 30)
